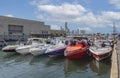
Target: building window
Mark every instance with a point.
(44, 32)
(15, 29)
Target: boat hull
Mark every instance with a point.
(10, 48)
(56, 53)
(23, 51)
(76, 55)
(37, 52)
(77, 51)
(101, 54)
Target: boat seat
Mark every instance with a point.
(73, 48)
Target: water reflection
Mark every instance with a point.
(28, 66)
(75, 65)
(55, 61)
(7, 57)
(23, 58)
(38, 59)
(100, 68)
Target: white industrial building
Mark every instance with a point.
(16, 28)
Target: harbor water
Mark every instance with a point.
(28, 66)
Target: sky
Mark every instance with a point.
(93, 15)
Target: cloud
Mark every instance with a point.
(108, 17)
(116, 3)
(76, 13)
(9, 15)
(105, 19)
(87, 19)
(65, 9)
(39, 2)
(55, 27)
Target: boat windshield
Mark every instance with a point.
(107, 43)
(34, 41)
(37, 41)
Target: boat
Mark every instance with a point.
(77, 48)
(39, 50)
(31, 43)
(12, 48)
(56, 49)
(101, 51)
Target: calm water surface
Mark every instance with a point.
(28, 66)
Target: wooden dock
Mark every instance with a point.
(115, 69)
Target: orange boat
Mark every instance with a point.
(76, 51)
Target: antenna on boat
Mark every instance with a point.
(114, 30)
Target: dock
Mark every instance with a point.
(115, 68)
(118, 55)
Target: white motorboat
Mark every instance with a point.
(39, 50)
(101, 52)
(32, 42)
(11, 48)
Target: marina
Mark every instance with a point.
(25, 64)
(59, 39)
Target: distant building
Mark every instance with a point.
(82, 31)
(67, 29)
(85, 31)
(16, 28)
(57, 33)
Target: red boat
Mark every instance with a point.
(76, 51)
(101, 52)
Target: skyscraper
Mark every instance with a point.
(66, 29)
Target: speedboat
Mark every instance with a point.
(38, 50)
(56, 49)
(11, 48)
(32, 42)
(77, 49)
(100, 52)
